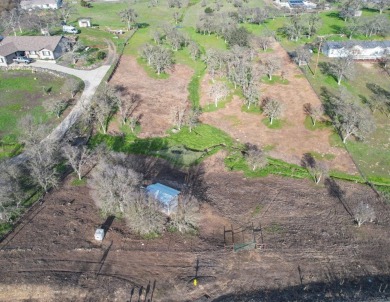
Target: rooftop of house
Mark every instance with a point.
(27, 43)
(363, 44)
(162, 193)
(37, 2)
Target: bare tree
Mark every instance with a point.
(349, 9)
(162, 59)
(317, 169)
(273, 109)
(42, 164)
(251, 95)
(73, 86)
(194, 50)
(270, 66)
(133, 121)
(143, 215)
(193, 118)
(176, 16)
(78, 157)
(302, 55)
(382, 5)
(186, 217)
(256, 158)
(315, 112)
(56, 106)
(11, 189)
(295, 28)
(103, 107)
(127, 104)
(31, 132)
(178, 114)
(66, 10)
(129, 16)
(264, 40)
(218, 91)
(314, 22)
(364, 213)
(212, 58)
(343, 68)
(351, 119)
(114, 186)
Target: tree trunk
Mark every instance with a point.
(271, 120)
(270, 76)
(339, 80)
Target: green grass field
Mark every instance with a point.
(23, 92)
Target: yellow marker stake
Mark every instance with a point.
(195, 282)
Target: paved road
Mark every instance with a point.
(91, 78)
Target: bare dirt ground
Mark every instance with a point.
(293, 139)
(158, 96)
(309, 245)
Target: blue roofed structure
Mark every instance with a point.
(295, 3)
(167, 196)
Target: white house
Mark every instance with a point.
(40, 4)
(35, 47)
(360, 50)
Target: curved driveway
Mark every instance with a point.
(91, 79)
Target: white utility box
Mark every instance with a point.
(99, 234)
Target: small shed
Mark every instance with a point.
(84, 22)
(99, 234)
(167, 196)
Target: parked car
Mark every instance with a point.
(21, 59)
(69, 29)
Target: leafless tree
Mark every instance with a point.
(264, 40)
(157, 36)
(270, 66)
(11, 20)
(162, 59)
(42, 164)
(317, 169)
(343, 68)
(78, 157)
(273, 109)
(175, 39)
(295, 28)
(256, 158)
(31, 132)
(314, 22)
(127, 104)
(251, 95)
(213, 59)
(103, 107)
(193, 118)
(11, 189)
(382, 5)
(194, 50)
(73, 86)
(176, 16)
(378, 25)
(143, 215)
(218, 91)
(66, 10)
(352, 120)
(364, 213)
(302, 55)
(114, 186)
(56, 106)
(178, 115)
(129, 16)
(187, 216)
(315, 112)
(349, 9)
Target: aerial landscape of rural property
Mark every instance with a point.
(195, 150)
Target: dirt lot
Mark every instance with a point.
(293, 139)
(158, 96)
(307, 236)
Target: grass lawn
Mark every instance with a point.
(372, 155)
(183, 148)
(23, 92)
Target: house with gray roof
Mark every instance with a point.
(40, 4)
(35, 47)
(360, 50)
